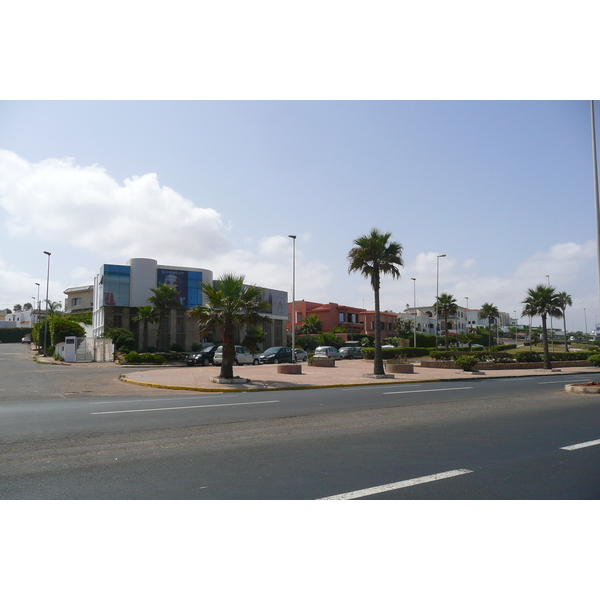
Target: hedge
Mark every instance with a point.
(13, 335)
(135, 358)
(390, 353)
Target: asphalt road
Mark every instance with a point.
(479, 439)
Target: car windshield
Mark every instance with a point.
(271, 350)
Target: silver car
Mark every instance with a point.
(243, 356)
(301, 355)
(327, 352)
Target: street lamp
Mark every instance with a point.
(437, 294)
(551, 326)
(38, 301)
(293, 297)
(415, 309)
(516, 328)
(47, 285)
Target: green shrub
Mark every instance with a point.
(594, 360)
(135, 359)
(121, 337)
(177, 348)
(389, 353)
(528, 356)
(503, 347)
(466, 363)
(196, 347)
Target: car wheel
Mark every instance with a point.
(205, 362)
(236, 363)
(276, 361)
(305, 359)
(255, 361)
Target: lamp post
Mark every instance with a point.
(38, 301)
(437, 294)
(415, 310)
(516, 328)
(47, 285)
(551, 326)
(293, 297)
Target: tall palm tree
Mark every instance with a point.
(541, 302)
(490, 312)
(446, 306)
(564, 300)
(230, 303)
(164, 298)
(145, 315)
(374, 255)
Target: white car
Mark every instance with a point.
(327, 352)
(243, 356)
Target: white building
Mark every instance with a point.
(120, 290)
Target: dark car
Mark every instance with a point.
(275, 355)
(203, 357)
(350, 352)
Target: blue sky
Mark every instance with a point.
(503, 188)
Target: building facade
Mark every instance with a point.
(356, 321)
(79, 299)
(119, 291)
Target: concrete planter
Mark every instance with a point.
(323, 362)
(398, 368)
(293, 369)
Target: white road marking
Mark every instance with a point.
(562, 381)
(396, 486)
(435, 390)
(159, 399)
(113, 412)
(582, 445)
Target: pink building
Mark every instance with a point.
(355, 320)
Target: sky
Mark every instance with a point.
(504, 188)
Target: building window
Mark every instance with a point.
(298, 317)
(342, 317)
(75, 301)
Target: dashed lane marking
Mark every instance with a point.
(114, 412)
(582, 445)
(396, 486)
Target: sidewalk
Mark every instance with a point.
(345, 373)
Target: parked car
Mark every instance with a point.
(203, 357)
(327, 352)
(301, 355)
(275, 355)
(243, 356)
(351, 352)
(26, 339)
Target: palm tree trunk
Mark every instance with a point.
(490, 326)
(378, 358)
(565, 331)
(547, 364)
(446, 331)
(145, 337)
(228, 354)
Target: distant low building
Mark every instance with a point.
(356, 321)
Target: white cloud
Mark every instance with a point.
(57, 200)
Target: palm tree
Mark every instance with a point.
(490, 312)
(230, 304)
(541, 302)
(164, 298)
(564, 300)
(312, 324)
(374, 255)
(467, 338)
(145, 314)
(446, 306)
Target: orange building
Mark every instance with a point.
(354, 320)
